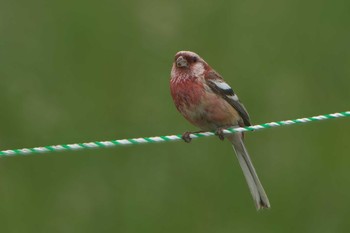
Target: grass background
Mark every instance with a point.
(77, 71)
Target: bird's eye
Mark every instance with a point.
(194, 59)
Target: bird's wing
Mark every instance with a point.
(221, 88)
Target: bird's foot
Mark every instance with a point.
(186, 136)
(220, 133)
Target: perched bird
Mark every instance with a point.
(202, 96)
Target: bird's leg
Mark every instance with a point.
(186, 136)
(220, 133)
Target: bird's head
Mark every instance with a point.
(189, 64)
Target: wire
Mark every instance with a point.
(146, 140)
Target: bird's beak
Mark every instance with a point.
(181, 62)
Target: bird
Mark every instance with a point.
(202, 96)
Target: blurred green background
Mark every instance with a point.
(78, 71)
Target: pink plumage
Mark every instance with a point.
(208, 102)
(196, 101)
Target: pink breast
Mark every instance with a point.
(202, 107)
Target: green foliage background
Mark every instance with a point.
(77, 71)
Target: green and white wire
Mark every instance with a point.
(144, 140)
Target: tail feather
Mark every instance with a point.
(260, 198)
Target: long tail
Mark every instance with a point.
(260, 198)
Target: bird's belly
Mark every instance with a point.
(211, 112)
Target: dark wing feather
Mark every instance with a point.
(221, 88)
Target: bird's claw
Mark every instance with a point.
(186, 137)
(220, 133)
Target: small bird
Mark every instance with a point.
(203, 97)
